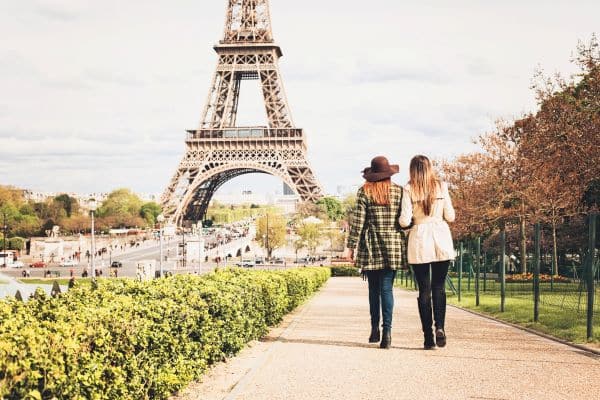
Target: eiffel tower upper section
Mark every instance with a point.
(247, 51)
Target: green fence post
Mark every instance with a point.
(477, 268)
(590, 276)
(502, 269)
(460, 266)
(536, 275)
(470, 266)
(484, 271)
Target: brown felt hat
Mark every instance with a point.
(380, 169)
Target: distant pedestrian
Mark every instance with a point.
(376, 235)
(428, 207)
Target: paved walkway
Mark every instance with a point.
(321, 352)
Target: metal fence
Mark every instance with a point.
(560, 273)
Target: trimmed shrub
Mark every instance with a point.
(140, 340)
(342, 270)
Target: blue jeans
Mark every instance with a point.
(381, 296)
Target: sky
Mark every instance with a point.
(96, 95)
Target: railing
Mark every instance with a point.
(245, 133)
(487, 273)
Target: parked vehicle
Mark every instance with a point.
(68, 263)
(116, 264)
(246, 264)
(17, 264)
(259, 260)
(38, 264)
(278, 260)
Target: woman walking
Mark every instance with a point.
(428, 207)
(375, 232)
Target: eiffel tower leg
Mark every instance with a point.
(305, 183)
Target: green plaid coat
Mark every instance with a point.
(375, 232)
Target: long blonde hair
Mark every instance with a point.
(379, 191)
(424, 184)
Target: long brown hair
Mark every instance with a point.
(424, 184)
(379, 191)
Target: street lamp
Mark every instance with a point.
(93, 206)
(5, 237)
(160, 219)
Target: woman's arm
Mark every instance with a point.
(357, 220)
(406, 214)
(449, 214)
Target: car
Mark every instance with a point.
(246, 264)
(116, 264)
(278, 260)
(17, 264)
(68, 263)
(259, 260)
(38, 264)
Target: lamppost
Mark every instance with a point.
(93, 206)
(5, 237)
(160, 219)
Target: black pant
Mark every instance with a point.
(432, 289)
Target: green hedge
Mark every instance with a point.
(140, 340)
(342, 270)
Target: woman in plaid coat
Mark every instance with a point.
(375, 233)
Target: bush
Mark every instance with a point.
(344, 271)
(140, 340)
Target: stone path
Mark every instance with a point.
(321, 352)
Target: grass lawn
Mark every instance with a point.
(559, 315)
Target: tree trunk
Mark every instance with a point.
(523, 246)
(554, 246)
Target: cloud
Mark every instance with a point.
(98, 94)
(397, 73)
(59, 10)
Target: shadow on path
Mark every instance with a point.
(323, 342)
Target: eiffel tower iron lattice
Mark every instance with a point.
(219, 150)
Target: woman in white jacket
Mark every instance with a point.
(427, 206)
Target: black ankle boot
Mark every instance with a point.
(375, 336)
(386, 340)
(440, 337)
(428, 344)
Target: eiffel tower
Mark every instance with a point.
(219, 150)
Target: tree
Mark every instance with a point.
(307, 209)
(150, 211)
(311, 235)
(68, 203)
(270, 232)
(334, 237)
(298, 245)
(121, 208)
(332, 207)
(544, 166)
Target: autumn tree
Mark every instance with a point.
(311, 235)
(270, 232)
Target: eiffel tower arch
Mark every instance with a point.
(219, 150)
